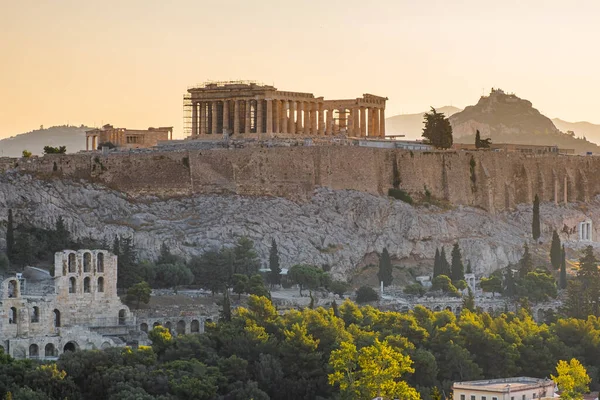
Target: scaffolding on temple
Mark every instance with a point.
(187, 115)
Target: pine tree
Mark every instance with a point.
(535, 228)
(437, 266)
(437, 130)
(469, 301)
(526, 262)
(562, 284)
(385, 268)
(10, 236)
(477, 139)
(226, 311)
(458, 270)
(445, 266)
(555, 251)
(275, 274)
(116, 248)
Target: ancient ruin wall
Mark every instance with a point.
(492, 181)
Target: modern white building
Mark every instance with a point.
(520, 388)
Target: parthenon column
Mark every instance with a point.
(313, 118)
(247, 118)
(330, 122)
(285, 108)
(321, 119)
(375, 121)
(363, 122)
(259, 116)
(356, 121)
(342, 120)
(214, 120)
(370, 122)
(194, 119)
(350, 123)
(236, 117)
(203, 119)
(307, 121)
(299, 117)
(226, 116)
(269, 116)
(277, 119)
(382, 122)
(291, 119)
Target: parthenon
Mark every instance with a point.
(249, 109)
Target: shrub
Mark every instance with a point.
(55, 150)
(26, 153)
(366, 294)
(415, 289)
(400, 194)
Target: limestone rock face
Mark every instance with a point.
(336, 227)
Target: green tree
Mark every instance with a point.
(510, 285)
(366, 294)
(10, 236)
(240, 284)
(445, 268)
(437, 264)
(26, 154)
(275, 273)
(457, 270)
(481, 144)
(173, 275)
(245, 259)
(535, 224)
(140, 292)
(537, 286)
(437, 130)
(166, 257)
(563, 269)
(493, 284)
(306, 276)
(256, 286)
(555, 251)
(584, 292)
(469, 301)
(55, 150)
(385, 268)
(526, 262)
(444, 284)
(212, 270)
(572, 379)
(415, 289)
(339, 288)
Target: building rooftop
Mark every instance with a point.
(504, 384)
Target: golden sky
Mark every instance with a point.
(128, 62)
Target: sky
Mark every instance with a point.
(129, 62)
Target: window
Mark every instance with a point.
(86, 285)
(35, 314)
(12, 316)
(56, 318)
(494, 398)
(34, 351)
(49, 350)
(72, 285)
(523, 397)
(483, 398)
(72, 263)
(13, 290)
(462, 397)
(100, 263)
(472, 397)
(534, 395)
(101, 284)
(122, 317)
(87, 262)
(195, 326)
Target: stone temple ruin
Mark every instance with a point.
(42, 316)
(246, 109)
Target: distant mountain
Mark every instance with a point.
(581, 129)
(71, 136)
(411, 125)
(505, 118)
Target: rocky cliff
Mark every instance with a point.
(335, 227)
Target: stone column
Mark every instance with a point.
(291, 119)
(350, 123)
(363, 122)
(259, 116)
(330, 122)
(87, 143)
(370, 122)
(247, 118)
(277, 116)
(356, 121)
(565, 194)
(236, 117)
(321, 119)
(269, 116)
(307, 121)
(299, 117)
(203, 119)
(226, 116)
(342, 120)
(194, 119)
(313, 118)
(214, 120)
(382, 122)
(375, 121)
(285, 106)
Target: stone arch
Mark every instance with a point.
(180, 329)
(458, 310)
(523, 187)
(144, 327)
(13, 288)
(209, 320)
(100, 263)
(122, 316)
(50, 350)
(404, 309)
(86, 284)
(101, 285)
(582, 185)
(105, 346)
(56, 318)
(87, 261)
(34, 351)
(437, 308)
(195, 326)
(490, 310)
(169, 326)
(72, 262)
(154, 325)
(12, 315)
(35, 314)
(72, 285)
(449, 308)
(71, 346)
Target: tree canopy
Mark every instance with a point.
(437, 130)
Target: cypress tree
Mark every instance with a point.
(334, 308)
(385, 268)
(469, 269)
(563, 270)
(445, 266)
(526, 263)
(437, 268)
(510, 287)
(458, 269)
(469, 301)
(477, 139)
(535, 228)
(275, 274)
(555, 251)
(10, 236)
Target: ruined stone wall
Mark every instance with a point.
(492, 181)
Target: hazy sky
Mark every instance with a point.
(128, 62)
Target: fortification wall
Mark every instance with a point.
(492, 181)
